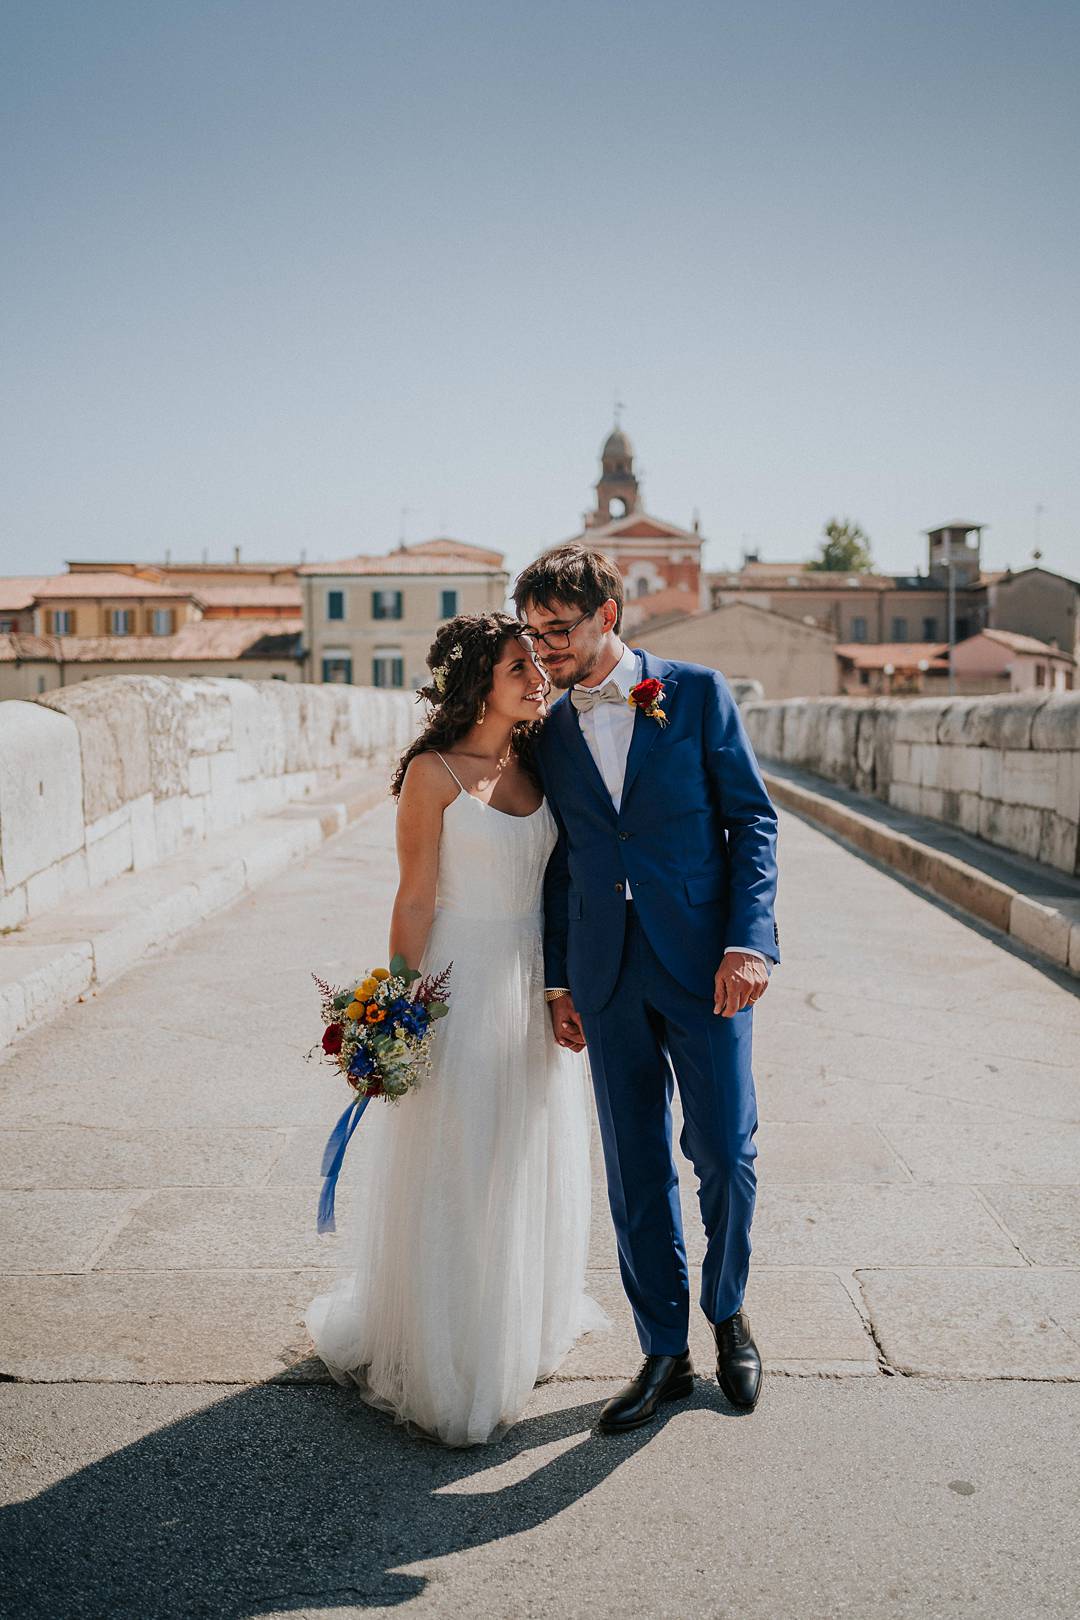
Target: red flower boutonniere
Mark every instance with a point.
(648, 696)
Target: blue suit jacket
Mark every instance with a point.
(695, 837)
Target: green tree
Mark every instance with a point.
(844, 550)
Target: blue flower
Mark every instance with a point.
(362, 1063)
(411, 1016)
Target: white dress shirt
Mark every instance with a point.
(607, 729)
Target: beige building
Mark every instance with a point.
(1002, 661)
(745, 642)
(369, 621)
(1036, 602)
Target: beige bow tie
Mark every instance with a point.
(585, 698)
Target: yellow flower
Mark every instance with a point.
(355, 1009)
(380, 973)
(375, 1015)
(366, 988)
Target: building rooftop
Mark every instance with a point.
(901, 654)
(20, 592)
(249, 596)
(105, 585)
(1024, 644)
(400, 563)
(204, 640)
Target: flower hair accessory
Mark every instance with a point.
(441, 673)
(648, 696)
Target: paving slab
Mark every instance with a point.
(246, 1229)
(988, 1150)
(797, 1151)
(188, 1156)
(48, 1230)
(1045, 1221)
(987, 1323)
(167, 1327)
(828, 1225)
(805, 1322)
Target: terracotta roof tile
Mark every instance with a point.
(398, 563)
(205, 639)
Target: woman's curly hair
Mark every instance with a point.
(462, 659)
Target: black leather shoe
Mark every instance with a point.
(662, 1378)
(738, 1364)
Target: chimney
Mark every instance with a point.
(205, 555)
(168, 556)
(236, 554)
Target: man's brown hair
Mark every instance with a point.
(572, 574)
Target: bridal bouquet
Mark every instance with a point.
(378, 1035)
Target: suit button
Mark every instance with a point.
(623, 837)
(619, 888)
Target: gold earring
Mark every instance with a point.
(483, 712)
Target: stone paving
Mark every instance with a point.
(919, 1160)
(919, 1215)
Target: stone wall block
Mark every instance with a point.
(1011, 826)
(167, 718)
(209, 718)
(970, 808)
(840, 742)
(110, 855)
(168, 826)
(906, 796)
(1058, 842)
(41, 789)
(223, 807)
(1057, 722)
(1028, 777)
(958, 721)
(12, 912)
(198, 776)
(991, 770)
(143, 833)
(111, 716)
(919, 719)
(1067, 791)
(1005, 721)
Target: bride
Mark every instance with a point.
(472, 1220)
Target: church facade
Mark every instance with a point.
(659, 560)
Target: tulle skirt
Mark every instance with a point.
(470, 1229)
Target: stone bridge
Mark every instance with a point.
(915, 1285)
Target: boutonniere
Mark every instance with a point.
(648, 696)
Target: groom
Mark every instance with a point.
(659, 938)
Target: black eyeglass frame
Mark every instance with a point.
(547, 637)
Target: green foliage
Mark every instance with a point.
(844, 550)
(399, 965)
(437, 1009)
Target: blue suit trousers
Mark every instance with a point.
(653, 1034)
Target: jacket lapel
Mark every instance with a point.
(645, 731)
(578, 756)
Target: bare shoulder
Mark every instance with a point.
(427, 783)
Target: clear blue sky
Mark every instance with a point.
(274, 271)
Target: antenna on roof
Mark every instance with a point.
(401, 531)
(1039, 510)
(619, 407)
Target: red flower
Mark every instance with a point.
(645, 693)
(333, 1035)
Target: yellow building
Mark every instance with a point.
(369, 621)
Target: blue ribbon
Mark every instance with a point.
(333, 1156)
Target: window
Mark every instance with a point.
(337, 669)
(279, 677)
(864, 677)
(1040, 674)
(447, 604)
(386, 604)
(62, 621)
(41, 684)
(963, 628)
(161, 622)
(929, 629)
(899, 630)
(120, 621)
(858, 629)
(388, 669)
(7, 626)
(335, 604)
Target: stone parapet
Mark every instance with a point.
(1005, 768)
(120, 773)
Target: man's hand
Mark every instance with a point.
(740, 981)
(566, 1022)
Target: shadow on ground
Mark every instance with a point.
(288, 1497)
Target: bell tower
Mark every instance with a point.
(617, 490)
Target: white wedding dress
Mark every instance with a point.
(470, 1226)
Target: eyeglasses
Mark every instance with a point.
(556, 640)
